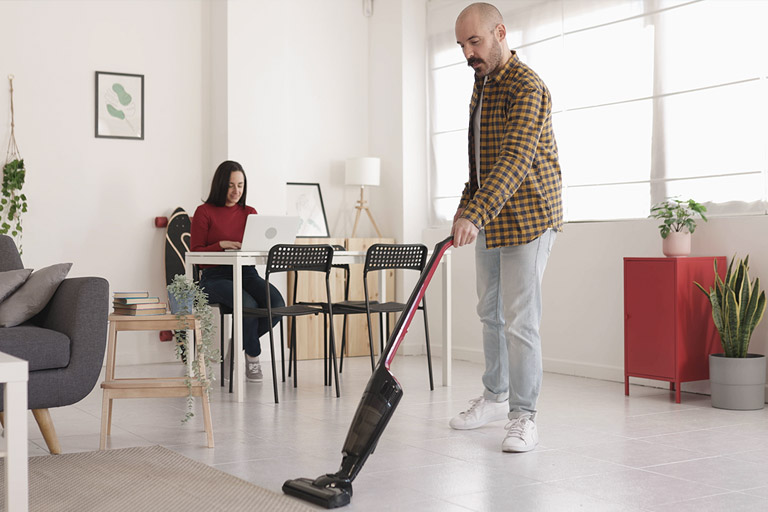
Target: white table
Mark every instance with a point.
(14, 373)
(238, 259)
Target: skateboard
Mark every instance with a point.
(177, 235)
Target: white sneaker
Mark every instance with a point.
(522, 435)
(480, 412)
(253, 371)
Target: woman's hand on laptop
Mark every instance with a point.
(229, 244)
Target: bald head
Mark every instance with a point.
(481, 33)
(486, 14)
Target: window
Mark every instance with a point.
(652, 99)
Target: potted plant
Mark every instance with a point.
(737, 378)
(186, 298)
(678, 222)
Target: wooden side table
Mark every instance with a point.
(14, 373)
(156, 387)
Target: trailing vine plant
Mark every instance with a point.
(13, 202)
(192, 300)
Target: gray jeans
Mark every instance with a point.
(509, 306)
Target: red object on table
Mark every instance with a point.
(668, 327)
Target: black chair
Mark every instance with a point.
(389, 257)
(298, 258)
(345, 268)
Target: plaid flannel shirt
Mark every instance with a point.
(520, 193)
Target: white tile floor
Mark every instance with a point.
(599, 450)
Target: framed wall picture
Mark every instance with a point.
(306, 201)
(119, 105)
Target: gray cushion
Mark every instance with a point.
(43, 348)
(11, 280)
(33, 295)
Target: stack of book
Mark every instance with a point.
(137, 304)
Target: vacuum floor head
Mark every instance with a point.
(315, 491)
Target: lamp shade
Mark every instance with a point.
(362, 171)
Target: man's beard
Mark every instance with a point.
(493, 63)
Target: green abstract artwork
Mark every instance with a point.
(119, 105)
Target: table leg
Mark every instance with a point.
(16, 470)
(238, 375)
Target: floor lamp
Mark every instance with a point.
(363, 172)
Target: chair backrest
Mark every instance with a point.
(395, 256)
(290, 258)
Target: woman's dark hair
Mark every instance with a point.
(220, 184)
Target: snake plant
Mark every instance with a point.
(738, 306)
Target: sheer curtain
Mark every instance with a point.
(652, 99)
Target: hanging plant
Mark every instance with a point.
(187, 298)
(13, 202)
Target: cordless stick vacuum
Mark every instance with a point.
(381, 396)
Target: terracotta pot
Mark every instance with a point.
(677, 243)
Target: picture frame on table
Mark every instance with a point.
(119, 106)
(305, 200)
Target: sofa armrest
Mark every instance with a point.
(79, 309)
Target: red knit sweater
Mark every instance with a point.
(212, 224)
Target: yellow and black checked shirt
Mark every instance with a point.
(520, 194)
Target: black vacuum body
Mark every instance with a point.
(376, 407)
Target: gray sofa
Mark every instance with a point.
(64, 344)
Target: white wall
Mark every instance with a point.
(298, 98)
(92, 201)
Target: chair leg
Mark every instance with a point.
(382, 318)
(294, 351)
(370, 339)
(333, 360)
(426, 336)
(290, 355)
(326, 362)
(43, 419)
(343, 344)
(282, 349)
(272, 352)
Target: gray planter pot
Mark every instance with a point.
(177, 307)
(738, 383)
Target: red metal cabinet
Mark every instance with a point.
(668, 327)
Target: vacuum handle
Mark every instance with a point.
(413, 302)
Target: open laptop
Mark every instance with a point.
(264, 231)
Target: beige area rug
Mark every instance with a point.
(143, 478)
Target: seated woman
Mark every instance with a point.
(218, 224)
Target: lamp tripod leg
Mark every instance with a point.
(370, 216)
(357, 219)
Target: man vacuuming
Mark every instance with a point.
(511, 208)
